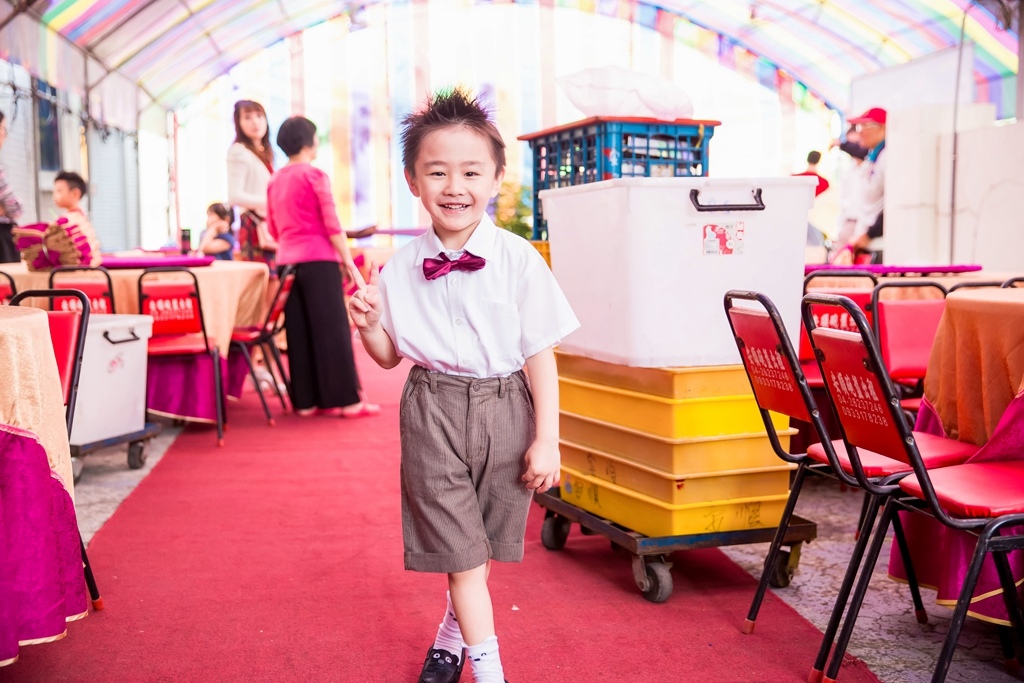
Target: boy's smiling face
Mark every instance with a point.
(455, 179)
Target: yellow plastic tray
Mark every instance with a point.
(675, 489)
(544, 248)
(675, 456)
(671, 418)
(698, 382)
(654, 518)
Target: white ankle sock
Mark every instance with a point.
(449, 637)
(485, 662)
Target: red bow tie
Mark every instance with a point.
(434, 268)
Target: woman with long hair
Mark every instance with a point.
(250, 165)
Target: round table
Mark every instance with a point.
(42, 586)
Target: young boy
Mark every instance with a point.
(68, 190)
(470, 305)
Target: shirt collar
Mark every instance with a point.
(481, 242)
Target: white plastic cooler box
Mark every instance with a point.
(112, 388)
(645, 262)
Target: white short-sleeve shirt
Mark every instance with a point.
(482, 323)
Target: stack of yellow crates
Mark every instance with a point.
(668, 451)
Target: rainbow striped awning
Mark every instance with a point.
(173, 48)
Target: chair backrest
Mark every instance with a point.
(173, 303)
(1013, 282)
(974, 284)
(7, 288)
(273, 323)
(774, 371)
(835, 317)
(906, 328)
(67, 334)
(95, 283)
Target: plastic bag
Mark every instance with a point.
(616, 91)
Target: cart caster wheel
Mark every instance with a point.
(782, 574)
(659, 582)
(136, 454)
(554, 532)
(77, 467)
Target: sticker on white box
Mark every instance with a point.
(724, 240)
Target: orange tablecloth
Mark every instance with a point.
(232, 293)
(977, 362)
(30, 393)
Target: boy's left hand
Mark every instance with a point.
(543, 465)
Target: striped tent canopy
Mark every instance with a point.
(174, 48)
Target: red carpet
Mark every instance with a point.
(279, 558)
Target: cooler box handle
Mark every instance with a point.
(758, 205)
(131, 331)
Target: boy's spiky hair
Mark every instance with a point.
(454, 107)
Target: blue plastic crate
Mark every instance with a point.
(601, 148)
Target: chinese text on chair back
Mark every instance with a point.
(645, 262)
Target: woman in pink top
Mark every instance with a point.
(301, 218)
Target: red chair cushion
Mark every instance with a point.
(5, 292)
(97, 292)
(180, 345)
(911, 404)
(173, 305)
(64, 328)
(935, 451)
(245, 334)
(984, 489)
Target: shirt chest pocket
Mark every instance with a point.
(497, 325)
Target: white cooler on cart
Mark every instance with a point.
(111, 403)
(646, 262)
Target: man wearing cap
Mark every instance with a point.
(868, 231)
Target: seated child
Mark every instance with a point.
(470, 305)
(218, 241)
(68, 190)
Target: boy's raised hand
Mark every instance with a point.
(366, 306)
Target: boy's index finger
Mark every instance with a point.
(360, 282)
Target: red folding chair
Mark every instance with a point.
(871, 421)
(905, 330)
(95, 283)
(67, 334)
(245, 338)
(780, 386)
(7, 288)
(178, 327)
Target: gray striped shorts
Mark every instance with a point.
(463, 442)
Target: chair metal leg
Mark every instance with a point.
(219, 396)
(1013, 608)
(267, 359)
(1010, 660)
(843, 596)
(908, 566)
(256, 382)
(863, 512)
(866, 570)
(960, 611)
(90, 580)
(773, 550)
(280, 366)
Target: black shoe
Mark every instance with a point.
(442, 666)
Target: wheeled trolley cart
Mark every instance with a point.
(137, 445)
(651, 567)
